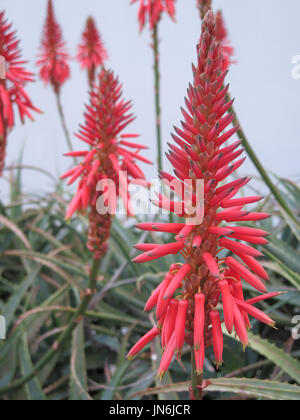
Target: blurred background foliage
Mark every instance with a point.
(44, 268)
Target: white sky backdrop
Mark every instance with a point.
(265, 34)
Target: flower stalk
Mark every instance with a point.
(64, 123)
(157, 96)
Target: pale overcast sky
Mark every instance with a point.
(265, 34)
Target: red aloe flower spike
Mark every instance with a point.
(91, 51)
(147, 338)
(199, 320)
(199, 154)
(180, 325)
(152, 11)
(12, 92)
(218, 341)
(106, 117)
(53, 57)
(227, 305)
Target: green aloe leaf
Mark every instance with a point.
(13, 303)
(255, 388)
(285, 361)
(78, 378)
(252, 388)
(33, 388)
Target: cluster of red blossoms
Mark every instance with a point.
(189, 298)
(91, 52)
(53, 57)
(12, 90)
(153, 10)
(111, 153)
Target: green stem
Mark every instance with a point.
(63, 337)
(281, 201)
(63, 123)
(197, 380)
(157, 96)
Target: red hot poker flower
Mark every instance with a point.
(152, 11)
(206, 279)
(53, 62)
(111, 153)
(91, 52)
(12, 88)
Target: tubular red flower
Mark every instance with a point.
(152, 10)
(245, 274)
(227, 305)
(264, 297)
(239, 324)
(143, 342)
(200, 357)
(199, 154)
(199, 320)
(256, 313)
(91, 51)
(218, 341)
(167, 357)
(169, 322)
(103, 166)
(239, 294)
(53, 57)
(162, 304)
(12, 88)
(180, 325)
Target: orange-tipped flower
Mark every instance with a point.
(108, 158)
(152, 10)
(91, 51)
(53, 57)
(206, 280)
(12, 86)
